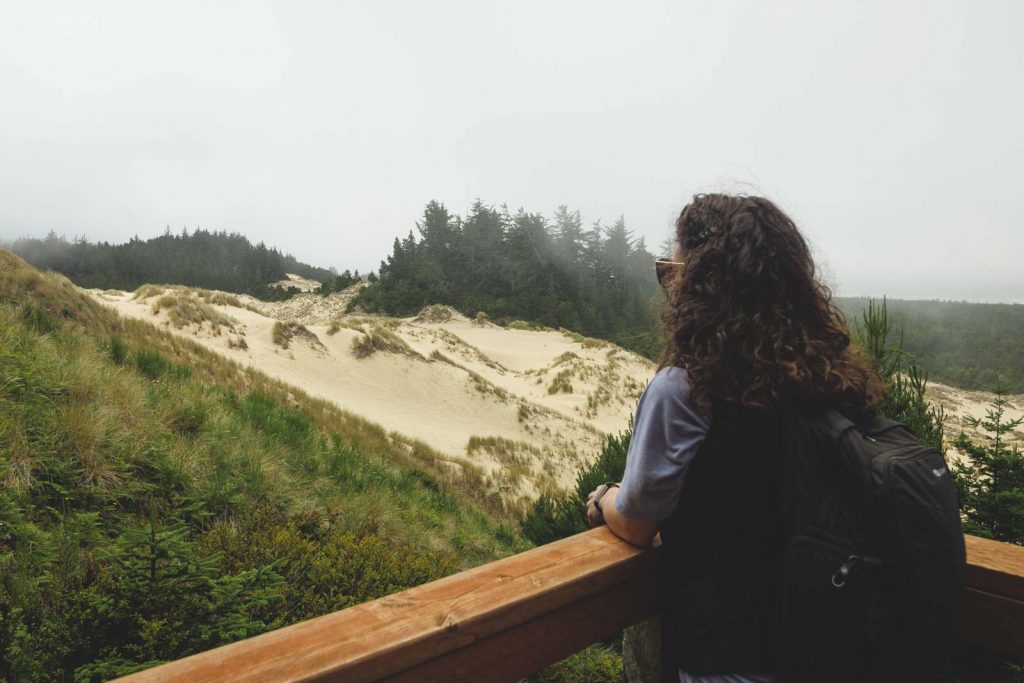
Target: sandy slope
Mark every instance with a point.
(479, 393)
(528, 407)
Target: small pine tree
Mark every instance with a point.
(905, 399)
(991, 480)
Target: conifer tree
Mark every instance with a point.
(991, 480)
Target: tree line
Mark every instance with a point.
(598, 281)
(213, 260)
(968, 345)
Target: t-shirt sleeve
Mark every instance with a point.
(667, 432)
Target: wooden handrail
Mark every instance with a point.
(509, 618)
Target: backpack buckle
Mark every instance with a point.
(839, 577)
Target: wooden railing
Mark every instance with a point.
(510, 618)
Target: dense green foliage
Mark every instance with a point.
(213, 260)
(598, 282)
(158, 501)
(968, 345)
(991, 481)
(905, 400)
(339, 282)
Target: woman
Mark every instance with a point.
(751, 334)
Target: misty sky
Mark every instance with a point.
(891, 131)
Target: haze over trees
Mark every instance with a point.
(598, 281)
(554, 271)
(212, 260)
(968, 345)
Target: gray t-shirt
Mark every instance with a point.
(667, 433)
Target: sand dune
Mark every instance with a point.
(527, 407)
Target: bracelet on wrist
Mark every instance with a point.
(605, 488)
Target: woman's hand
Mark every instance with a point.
(594, 516)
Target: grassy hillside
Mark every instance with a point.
(158, 500)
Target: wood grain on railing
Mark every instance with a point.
(993, 614)
(496, 622)
(512, 617)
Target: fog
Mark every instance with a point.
(891, 132)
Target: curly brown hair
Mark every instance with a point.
(748, 319)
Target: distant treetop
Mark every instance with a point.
(214, 260)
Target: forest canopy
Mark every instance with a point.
(599, 281)
(212, 260)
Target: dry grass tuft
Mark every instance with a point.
(183, 310)
(585, 342)
(379, 338)
(437, 313)
(561, 384)
(284, 333)
(148, 291)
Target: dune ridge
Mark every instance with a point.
(525, 407)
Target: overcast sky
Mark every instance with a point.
(891, 131)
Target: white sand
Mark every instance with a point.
(301, 283)
(492, 382)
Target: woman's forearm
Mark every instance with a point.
(637, 532)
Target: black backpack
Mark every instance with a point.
(874, 563)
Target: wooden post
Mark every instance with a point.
(641, 652)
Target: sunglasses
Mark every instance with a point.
(663, 268)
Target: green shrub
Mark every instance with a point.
(596, 664)
(552, 518)
(991, 480)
